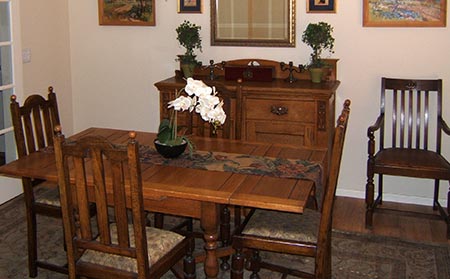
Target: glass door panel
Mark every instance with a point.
(10, 187)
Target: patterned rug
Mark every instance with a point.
(354, 256)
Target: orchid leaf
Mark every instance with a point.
(164, 131)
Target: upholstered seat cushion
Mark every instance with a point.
(47, 194)
(159, 243)
(282, 225)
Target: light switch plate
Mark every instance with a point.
(26, 55)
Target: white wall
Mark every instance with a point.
(113, 69)
(45, 26)
(41, 26)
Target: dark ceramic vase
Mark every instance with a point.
(168, 151)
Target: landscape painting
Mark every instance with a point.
(405, 13)
(126, 12)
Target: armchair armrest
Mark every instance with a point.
(370, 134)
(375, 126)
(444, 126)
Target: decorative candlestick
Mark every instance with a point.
(213, 66)
(291, 68)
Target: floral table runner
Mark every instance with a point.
(238, 163)
(242, 164)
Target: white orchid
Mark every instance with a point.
(217, 115)
(183, 103)
(206, 103)
(202, 99)
(197, 88)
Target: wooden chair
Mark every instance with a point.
(93, 169)
(33, 124)
(410, 126)
(307, 234)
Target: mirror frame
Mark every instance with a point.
(289, 42)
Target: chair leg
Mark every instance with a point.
(448, 230)
(436, 194)
(237, 216)
(189, 261)
(369, 198)
(448, 213)
(159, 220)
(31, 230)
(327, 271)
(190, 225)
(32, 245)
(379, 199)
(237, 265)
(254, 264)
(448, 201)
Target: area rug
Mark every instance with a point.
(354, 255)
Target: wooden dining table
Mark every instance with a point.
(199, 193)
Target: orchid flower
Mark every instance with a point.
(200, 98)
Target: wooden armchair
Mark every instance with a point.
(410, 126)
(307, 234)
(33, 124)
(92, 169)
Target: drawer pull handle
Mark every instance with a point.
(279, 110)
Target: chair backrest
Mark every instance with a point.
(330, 190)
(34, 122)
(114, 172)
(411, 110)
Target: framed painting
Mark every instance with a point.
(404, 13)
(320, 6)
(189, 6)
(126, 12)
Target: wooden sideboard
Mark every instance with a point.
(300, 113)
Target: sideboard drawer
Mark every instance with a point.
(276, 110)
(281, 131)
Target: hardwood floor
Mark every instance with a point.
(349, 214)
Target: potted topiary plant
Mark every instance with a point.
(188, 35)
(319, 37)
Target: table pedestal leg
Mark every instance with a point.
(209, 223)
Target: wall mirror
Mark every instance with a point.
(267, 23)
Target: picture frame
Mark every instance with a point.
(189, 6)
(129, 12)
(408, 13)
(321, 6)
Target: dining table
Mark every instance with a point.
(220, 172)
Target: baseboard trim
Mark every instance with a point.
(390, 197)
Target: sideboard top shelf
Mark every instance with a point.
(204, 72)
(275, 86)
